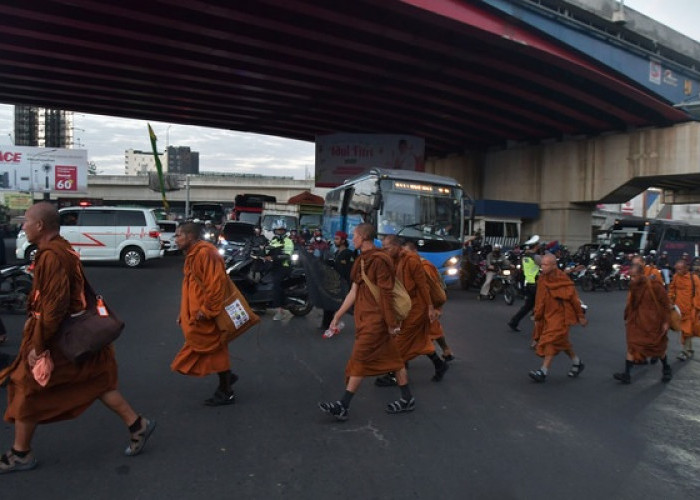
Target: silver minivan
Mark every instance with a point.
(128, 235)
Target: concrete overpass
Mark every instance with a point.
(123, 189)
(543, 95)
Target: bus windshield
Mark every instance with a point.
(420, 210)
(627, 241)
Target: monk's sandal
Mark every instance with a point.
(576, 370)
(139, 438)
(11, 462)
(336, 409)
(538, 375)
(401, 406)
(684, 356)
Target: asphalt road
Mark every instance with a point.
(486, 432)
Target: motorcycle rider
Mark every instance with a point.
(531, 269)
(665, 267)
(495, 261)
(209, 232)
(256, 247)
(280, 248)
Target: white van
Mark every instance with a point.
(129, 235)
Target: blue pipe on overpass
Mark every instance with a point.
(666, 79)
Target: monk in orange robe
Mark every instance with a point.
(647, 315)
(435, 330)
(557, 307)
(203, 295)
(650, 269)
(58, 292)
(415, 329)
(374, 351)
(684, 291)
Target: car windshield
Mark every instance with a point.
(238, 232)
(167, 227)
(412, 214)
(249, 217)
(289, 221)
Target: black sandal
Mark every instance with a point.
(139, 438)
(220, 398)
(576, 370)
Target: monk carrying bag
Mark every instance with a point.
(438, 296)
(87, 332)
(400, 298)
(237, 316)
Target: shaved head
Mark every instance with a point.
(46, 213)
(190, 229)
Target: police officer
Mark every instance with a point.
(281, 248)
(531, 269)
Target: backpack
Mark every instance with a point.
(400, 298)
(437, 286)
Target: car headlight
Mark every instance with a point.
(452, 271)
(452, 261)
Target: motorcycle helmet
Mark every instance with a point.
(533, 241)
(279, 224)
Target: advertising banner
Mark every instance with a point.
(342, 156)
(39, 170)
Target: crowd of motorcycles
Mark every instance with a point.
(602, 269)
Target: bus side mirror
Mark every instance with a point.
(468, 207)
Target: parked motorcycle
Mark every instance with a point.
(259, 292)
(15, 285)
(594, 278)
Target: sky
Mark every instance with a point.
(106, 138)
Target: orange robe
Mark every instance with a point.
(57, 292)
(648, 309)
(650, 270)
(557, 307)
(435, 330)
(374, 351)
(414, 338)
(203, 289)
(680, 291)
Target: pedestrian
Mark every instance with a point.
(531, 268)
(57, 293)
(203, 295)
(664, 265)
(415, 328)
(684, 291)
(343, 259)
(436, 332)
(557, 307)
(647, 316)
(374, 351)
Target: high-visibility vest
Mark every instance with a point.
(286, 246)
(531, 270)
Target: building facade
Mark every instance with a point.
(141, 162)
(182, 160)
(43, 127)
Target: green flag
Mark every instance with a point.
(159, 167)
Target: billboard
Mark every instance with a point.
(342, 156)
(33, 170)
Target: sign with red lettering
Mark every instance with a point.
(43, 170)
(342, 156)
(66, 178)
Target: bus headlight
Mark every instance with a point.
(452, 271)
(452, 261)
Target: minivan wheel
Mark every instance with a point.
(132, 257)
